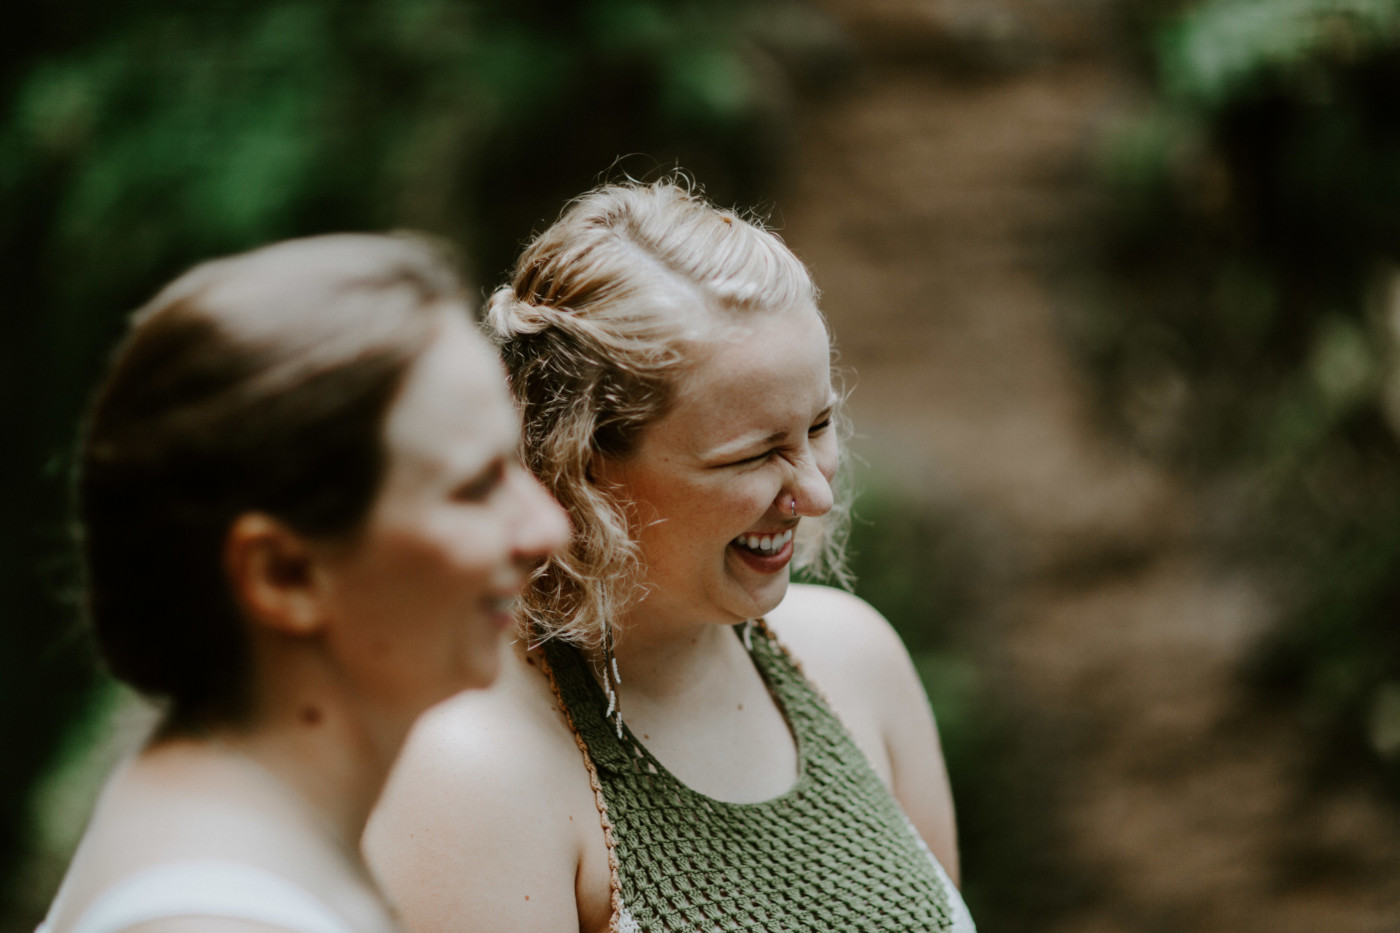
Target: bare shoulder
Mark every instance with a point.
(481, 739)
(183, 815)
(489, 812)
(837, 634)
(477, 759)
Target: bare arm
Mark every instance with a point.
(919, 774)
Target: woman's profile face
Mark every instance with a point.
(423, 595)
(749, 433)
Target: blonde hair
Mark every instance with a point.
(598, 319)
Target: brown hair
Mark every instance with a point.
(258, 382)
(596, 323)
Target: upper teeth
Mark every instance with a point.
(769, 543)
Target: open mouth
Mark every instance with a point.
(764, 545)
(503, 603)
(500, 608)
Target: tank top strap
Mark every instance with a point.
(821, 736)
(781, 670)
(814, 725)
(586, 704)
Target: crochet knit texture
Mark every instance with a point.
(834, 853)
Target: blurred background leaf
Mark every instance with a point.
(1249, 337)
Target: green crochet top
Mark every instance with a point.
(834, 853)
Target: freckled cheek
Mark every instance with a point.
(743, 509)
(680, 517)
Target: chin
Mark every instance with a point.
(765, 600)
(484, 674)
(480, 670)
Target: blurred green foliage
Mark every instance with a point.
(936, 570)
(1247, 328)
(138, 137)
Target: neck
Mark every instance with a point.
(331, 781)
(327, 746)
(659, 663)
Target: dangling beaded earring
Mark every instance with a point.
(611, 680)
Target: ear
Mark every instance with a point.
(273, 575)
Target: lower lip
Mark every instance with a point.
(761, 564)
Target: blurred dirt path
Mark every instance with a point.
(930, 200)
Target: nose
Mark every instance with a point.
(543, 526)
(810, 491)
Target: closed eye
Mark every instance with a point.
(480, 487)
(756, 458)
(813, 431)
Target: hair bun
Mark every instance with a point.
(507, 316)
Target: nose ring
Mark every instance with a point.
(792, 503)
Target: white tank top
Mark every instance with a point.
(206, 888)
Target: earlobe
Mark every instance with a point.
(273, 576)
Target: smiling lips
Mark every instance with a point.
(500, 607)
(765, 554)
(764, 545)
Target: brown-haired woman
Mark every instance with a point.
(302, 523)
(640, 767)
